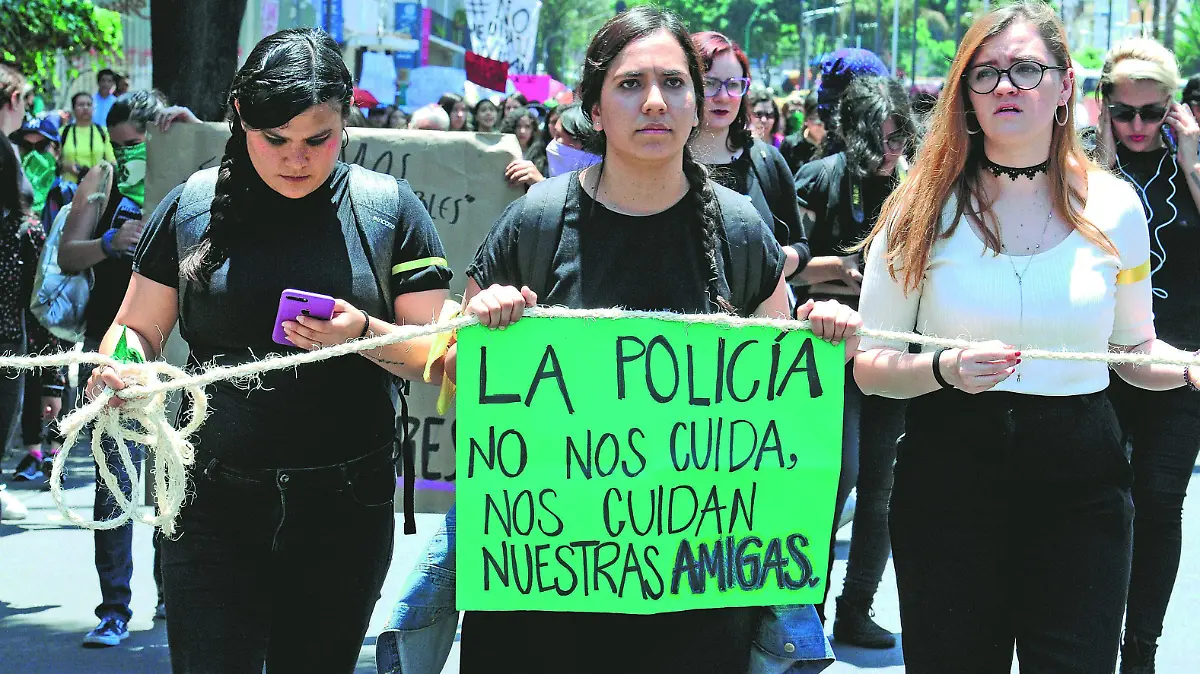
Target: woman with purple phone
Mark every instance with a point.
(1152, 142)
(288, 534)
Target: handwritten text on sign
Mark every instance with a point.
(644, 466)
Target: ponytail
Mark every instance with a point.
(708, 210)
(213, 248)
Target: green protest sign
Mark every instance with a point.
(643, 466)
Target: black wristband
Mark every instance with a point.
(366, 323)
(937, 368)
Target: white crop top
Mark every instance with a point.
(1076, 296)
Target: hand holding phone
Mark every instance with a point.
(296, 303)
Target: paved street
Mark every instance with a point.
(48, 590)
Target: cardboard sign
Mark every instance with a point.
(460, 179)
(486, 72)
(644, 466)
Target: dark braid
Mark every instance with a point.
(284, 75)
(213, 248)
(709, 210)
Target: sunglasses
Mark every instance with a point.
(1023, 75)
(734, 86)
(1150, 114)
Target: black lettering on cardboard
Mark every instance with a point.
(622, 359)
(553, 372)
(729, 383)
(662, 342)
(806, 362)
(494, 398)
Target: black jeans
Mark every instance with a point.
(1164, 429)
(35, 429)
(278, 566)
(881, 425)
(12, 393)
(1011, 521)
(851, 418)
(114, 547)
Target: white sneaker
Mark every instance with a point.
(11, 508)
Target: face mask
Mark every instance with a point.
(564, 159)
(131, 171)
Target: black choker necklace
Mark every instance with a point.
(1014, 173)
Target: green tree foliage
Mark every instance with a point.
(34, 34)
(1187, 42)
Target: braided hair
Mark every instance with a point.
(286, 74)
(634, 24)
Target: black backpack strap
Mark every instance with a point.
(191, 221)
(744, 256)
(375, 200)
(541, 228)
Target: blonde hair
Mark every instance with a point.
(1139, 59)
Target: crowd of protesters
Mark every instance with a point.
(982, 210)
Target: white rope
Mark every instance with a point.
(142, 418)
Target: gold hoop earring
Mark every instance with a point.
(1063, 122)
(967, 121)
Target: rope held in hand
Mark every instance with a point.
(143, 419)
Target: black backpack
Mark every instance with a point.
(375, 200)
(550, 212)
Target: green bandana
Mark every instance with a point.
(131, 171)
(40, 168)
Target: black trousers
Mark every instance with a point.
(1164, 430)
(716, 641)
(12, 394)
(882, 423)
(1011, 521)
(281, 567)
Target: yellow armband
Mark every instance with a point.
(441, 345)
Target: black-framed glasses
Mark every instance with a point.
(734, 86)
(1024, 75)
(763, 114)
(897, 142)
(1150, 114)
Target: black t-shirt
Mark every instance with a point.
(1174, 242)
(797, 150)
(648, 263)
(845, 209)
(734, 175)
(317, 414)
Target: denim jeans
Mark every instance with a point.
(114, 547)
(278, 566)
(1164, 430)
(1011, 520)
(420, 634)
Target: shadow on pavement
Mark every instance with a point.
(866, 658)
(32, 646)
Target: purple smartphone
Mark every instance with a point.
(296, 303)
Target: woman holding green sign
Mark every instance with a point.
(1011, 514)
(645, 229)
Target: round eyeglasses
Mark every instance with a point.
(1024, 75)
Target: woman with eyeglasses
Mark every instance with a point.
(766, 123)
(1011, 517)
(840, 197)
(743, 163)
(1151, 142)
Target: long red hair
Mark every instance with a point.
(948, 163)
